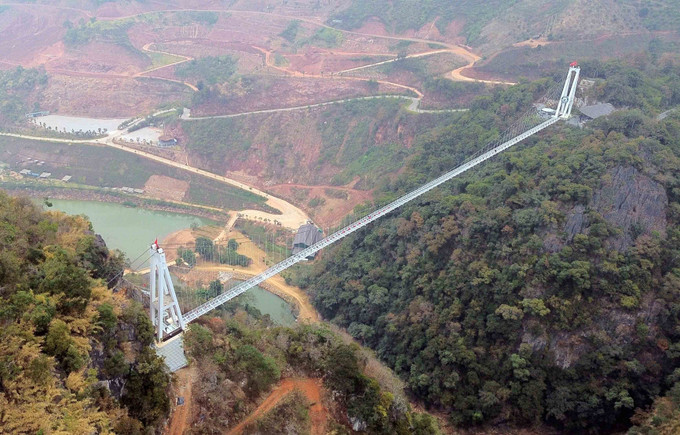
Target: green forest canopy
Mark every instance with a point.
(63, 331)
(477, 293)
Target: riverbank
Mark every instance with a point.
(100, 195)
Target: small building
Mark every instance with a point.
(306, 236)
(139, 191)
(37, 114)
(66, 178)
(45, 175)
(166, 141)
(595, 111)
(25, 172)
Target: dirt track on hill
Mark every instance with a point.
(310, 387)
(182, 414)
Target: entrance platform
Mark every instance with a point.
(173, 351)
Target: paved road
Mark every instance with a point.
(413, 107)
(292, 217)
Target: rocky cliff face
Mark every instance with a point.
(616, 327)
(632, 202)
(635, 205)
(629, 201)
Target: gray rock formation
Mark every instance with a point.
(632, 202)
(628, 200)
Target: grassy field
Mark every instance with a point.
(161, 59)
(106, 167)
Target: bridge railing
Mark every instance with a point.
(563, 111)
(349, 229)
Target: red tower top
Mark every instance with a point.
(573, 64)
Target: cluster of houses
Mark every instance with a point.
(165, 141)
(67, 178)
(128, 190)
(44, 175)
(29, 173)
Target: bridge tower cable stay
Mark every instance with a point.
(170, 321)
(166, 315)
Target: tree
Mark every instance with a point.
(62, 276)
(261, 370)
(187, 256)
(61, 345)
(215, 288)
(205, 248)
(232, 244)
(145, 392)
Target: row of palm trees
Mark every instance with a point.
(87, 133)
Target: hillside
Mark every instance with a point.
(541, 288)
(525, 38)
(499, 23)
(306, 379)
(330, 145)
(74, 357)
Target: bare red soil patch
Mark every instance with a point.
(102, 96)
(28, 30)
(334, 209)
(310, 387)
(102, 58)
(373, 26)
(160, 186)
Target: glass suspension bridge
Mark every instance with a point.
(172, 307)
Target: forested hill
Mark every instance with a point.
(74, 357)
(544, 286)
(492, 21)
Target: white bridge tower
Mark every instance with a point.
(165, 313)
(568, 92)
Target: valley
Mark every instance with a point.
(535, 294)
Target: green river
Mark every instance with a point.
(133, 229)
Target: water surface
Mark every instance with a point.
(133, 229)
(129, 229)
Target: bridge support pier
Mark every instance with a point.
(166, 315)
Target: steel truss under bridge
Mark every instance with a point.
(168, 321)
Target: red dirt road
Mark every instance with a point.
(181, 417)
(310, 387)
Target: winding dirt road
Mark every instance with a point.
(457, 49)
(184, 59)
(309, 387)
